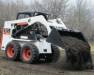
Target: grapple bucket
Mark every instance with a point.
(76, 47)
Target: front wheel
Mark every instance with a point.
(29, 53)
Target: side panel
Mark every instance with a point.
(43, 47)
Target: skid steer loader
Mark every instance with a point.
(33, 36)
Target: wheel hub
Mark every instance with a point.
(10, 51)
(27, 54)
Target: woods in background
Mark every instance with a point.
(76, 15)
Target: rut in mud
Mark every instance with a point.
(8, 67)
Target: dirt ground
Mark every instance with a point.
(18, 68)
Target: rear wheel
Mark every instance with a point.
(13, 50)
(29, 53)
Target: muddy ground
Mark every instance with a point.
(18, 68)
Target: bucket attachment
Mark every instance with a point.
(76, 47)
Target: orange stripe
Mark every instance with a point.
(1, 38)
(22, 24)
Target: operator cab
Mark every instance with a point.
(22, 15)
(33, 31)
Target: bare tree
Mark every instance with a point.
(1, 9)
(79, 18)
(53, 7)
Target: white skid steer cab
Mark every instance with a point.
(33, 37)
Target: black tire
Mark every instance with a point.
(55, 54)
(32, 56)
(12, 51)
